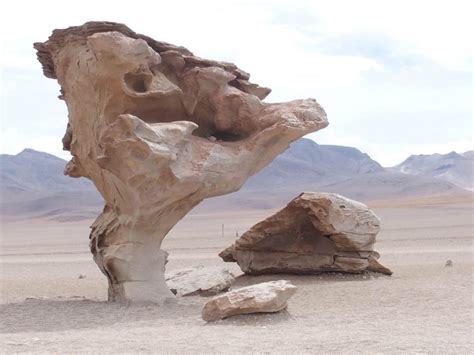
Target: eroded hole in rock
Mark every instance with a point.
(137, 82)
(170, 109)
(227, 136)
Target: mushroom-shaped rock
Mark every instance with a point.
(264, 297)
(157, 130)
(200, 280)
(315, 232)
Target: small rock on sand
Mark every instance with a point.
(199, 280)
(260, 298)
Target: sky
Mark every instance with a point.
(395, 77)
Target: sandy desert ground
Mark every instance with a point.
(425, 307)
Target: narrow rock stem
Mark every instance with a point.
(131, 259)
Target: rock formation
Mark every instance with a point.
(315, 232)
(260, 298)
(158, 129)
(200, 280)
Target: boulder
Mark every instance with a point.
(260, 298)
(158, 129)
(199, 280)
(314, 233)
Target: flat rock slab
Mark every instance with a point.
(260, 298)
(199, 280)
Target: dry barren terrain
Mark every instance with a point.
(425, 307)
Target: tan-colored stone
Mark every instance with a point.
(315, 232)
(260, 298)
(157, 130)
(199, 280)
(375, 266)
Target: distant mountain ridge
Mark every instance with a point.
(33, 170)
(453, 167)
(469, 154)
(32, 183)
(307, 162)
(308, 166)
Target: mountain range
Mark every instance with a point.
(453, 167)
(32, 183)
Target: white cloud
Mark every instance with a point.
(440, 31)
(13, 142)
(50, 144)
(408, 83)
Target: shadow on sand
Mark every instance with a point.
(323, 278)
(254, 319)
(60, 314)
(48, 315)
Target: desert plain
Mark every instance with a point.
(54, 298)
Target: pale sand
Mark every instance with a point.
(424, 307)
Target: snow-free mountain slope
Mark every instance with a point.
(33, 184)
(453, 167)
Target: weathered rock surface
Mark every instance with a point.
(315, 232)
(158, 129)
(260, 298)
(199, 280)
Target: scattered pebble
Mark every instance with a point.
(16, 343)
(448, 263)
(82, 276)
